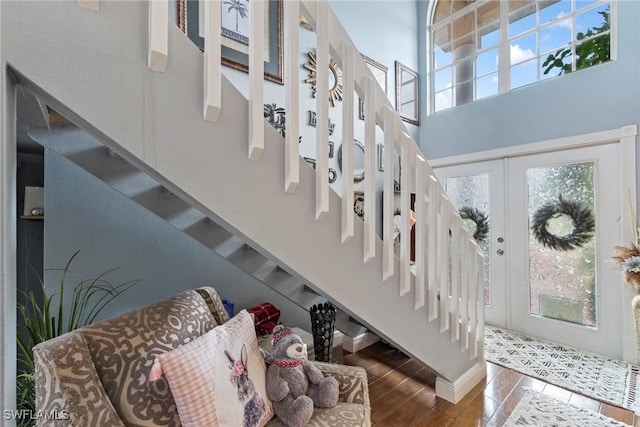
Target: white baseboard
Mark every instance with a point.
(454, 391)
(362, 341)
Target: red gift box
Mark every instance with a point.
(265, 317)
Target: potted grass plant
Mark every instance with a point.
(42, 317)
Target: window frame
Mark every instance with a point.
(504, 65)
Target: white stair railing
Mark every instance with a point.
(448, 277)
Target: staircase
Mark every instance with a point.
(234, 168)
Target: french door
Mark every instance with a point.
(554, 219)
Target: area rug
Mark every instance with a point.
(604, 379)
(539, 410)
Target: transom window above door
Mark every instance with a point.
(480, 48)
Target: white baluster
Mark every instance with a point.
(433, 253)
(421, 218)
(348, 65)
(405, 215)
(479, 341)
(322, 107)
(158, 35)
(445, 256)
(292, 87)
(92, 4)
(456, 232)
(256, 79)
(388, 255)
(212, 55)
(369, 168)
(474, 287)
(468, 280)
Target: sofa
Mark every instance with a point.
(98, 375)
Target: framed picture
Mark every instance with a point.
(235, 33)
(407, 94)
(380, 73)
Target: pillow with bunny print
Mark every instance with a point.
(219, 378)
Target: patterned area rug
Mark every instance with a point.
(608, 380)
(539, 410)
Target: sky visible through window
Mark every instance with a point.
(532, 38)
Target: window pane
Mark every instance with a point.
(554, 65)
(594, 20)
(524, 7)
(464, 25)
(489, 24)
(442, 36)
(555, 10)
(592, 52)
(523, 49)
(524, 74)
(487, 62)
(442, 57)
(584, 3)
(444, 100)
(489, 39)
(562, 282)
(443, 79)
(487, 86)
(556, 36)
(519, 24)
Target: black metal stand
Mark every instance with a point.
(323, 321)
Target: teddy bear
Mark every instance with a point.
(295, 385)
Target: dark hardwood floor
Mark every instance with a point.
(402, 393)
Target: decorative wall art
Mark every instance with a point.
(335, 78)
(276, 117)
(407, 94)
(358, 174)
(358, 203)
(312, 122)
(380, 73)
(333, 175)
(235, 32)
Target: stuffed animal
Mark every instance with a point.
(294, 384)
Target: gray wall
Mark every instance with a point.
(110, 230)
(603, 97)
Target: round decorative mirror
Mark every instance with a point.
(335, 78)
(358, 160)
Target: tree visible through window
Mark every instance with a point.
(485, 47)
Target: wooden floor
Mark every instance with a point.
(402, 393)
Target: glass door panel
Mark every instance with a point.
(562, 243)
(479, 188)
(563, 222)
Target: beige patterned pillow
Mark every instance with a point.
(219, 378)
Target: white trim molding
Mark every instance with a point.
(454, 391)
(559, 144)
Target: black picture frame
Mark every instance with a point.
(273, 66)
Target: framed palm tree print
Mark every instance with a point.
(235, 33)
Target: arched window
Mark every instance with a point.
(480, 48)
